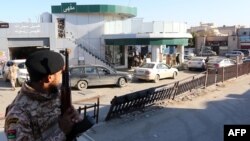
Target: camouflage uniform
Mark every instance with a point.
(13, 75)
(33, 116)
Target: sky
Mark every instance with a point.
(192, 12)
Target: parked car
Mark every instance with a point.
(246, 52)
(218, 62)
(155, 71)
(188, 53)
(207, 53)
(234, 54)
(197, 63)
(246, 59)
(22, 73)
(84, 76)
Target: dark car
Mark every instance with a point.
(95, 75)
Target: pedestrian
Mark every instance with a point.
(35, 112)
(13, 69)
(169, 60)
(177, 59)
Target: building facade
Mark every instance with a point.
(96, 34)
(219, 39)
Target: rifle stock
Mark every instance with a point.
(87, 122)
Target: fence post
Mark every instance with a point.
(97, 110)
(223, 74)
(205, 84)
(237, 66)
(215, 77)
(248, 68)
(192, 84)
(175, 89)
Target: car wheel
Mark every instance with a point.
(174, 75)
(82, 85)
(157, 78)
(122, 82)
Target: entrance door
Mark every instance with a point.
(115, 55)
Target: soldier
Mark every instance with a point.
(35, 112)
(13, 75)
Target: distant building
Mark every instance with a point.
(219, 39)
(244, 38)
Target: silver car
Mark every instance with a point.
(218, 62)
(84, 76)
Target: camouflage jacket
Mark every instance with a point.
(33, 116)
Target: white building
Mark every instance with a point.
(98, 34)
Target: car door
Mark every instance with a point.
(163, 70)
(91, 75)
(75, 75)
(167, 70)
(106, 76)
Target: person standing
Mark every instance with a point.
(177, 59)
(13, 75)
(35, 112)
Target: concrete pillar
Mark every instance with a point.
(180, 50)
(155, 53)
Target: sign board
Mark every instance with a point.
(4, 25)
(68, 7)
(81, 58)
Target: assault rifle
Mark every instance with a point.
(87, 122)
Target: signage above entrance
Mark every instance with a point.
(4, 25)
(68, 7)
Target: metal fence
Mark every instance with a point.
(140, 99)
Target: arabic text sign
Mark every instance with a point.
(68, 7)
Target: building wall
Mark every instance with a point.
(27, 31)
(199, 42)
(232, 42)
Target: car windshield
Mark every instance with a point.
(148, 65)
(21, 66)
(216, 60)
(197, 59)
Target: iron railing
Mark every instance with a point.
(138, 100)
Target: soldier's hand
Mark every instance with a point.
(68, 119)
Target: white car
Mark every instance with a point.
(22, 73)
(197, 63)
(218, 62)
(155, 71)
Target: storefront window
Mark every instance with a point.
(115, 55)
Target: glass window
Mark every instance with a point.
(148, 65)
(90, 70)
(164, 66)
(76, 71)
(22, 66)
(103, 71)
